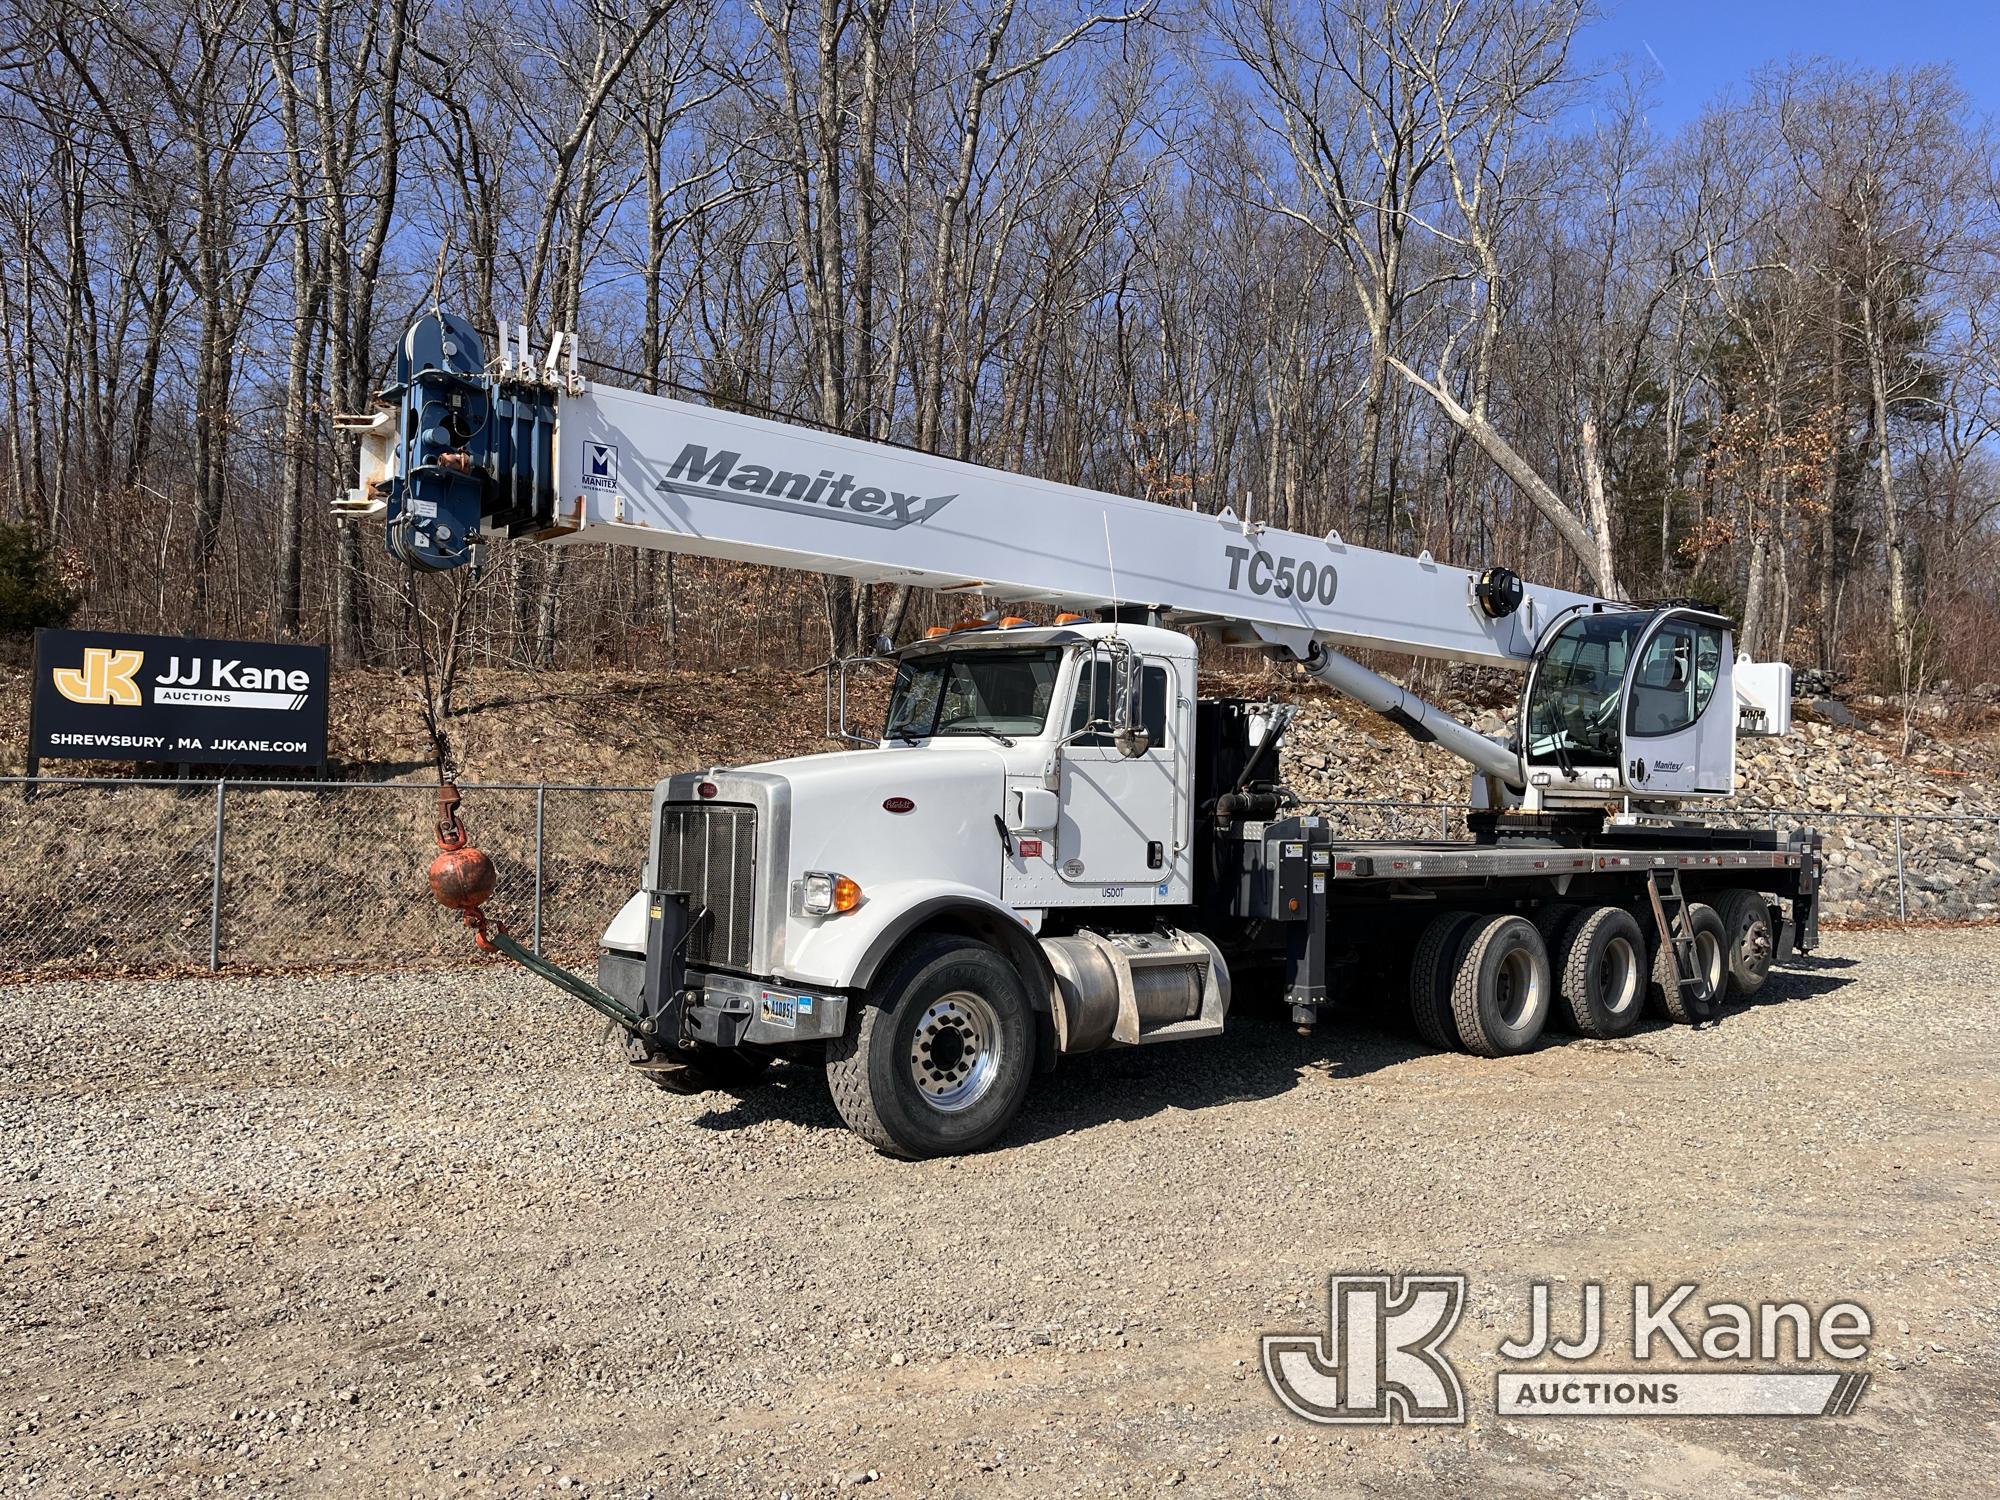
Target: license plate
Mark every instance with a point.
(783, 1010)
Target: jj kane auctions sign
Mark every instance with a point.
(105, 695)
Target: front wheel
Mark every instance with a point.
(938, 1061)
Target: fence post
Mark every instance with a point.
(1902, 889)
(215, 888)
(541, 810)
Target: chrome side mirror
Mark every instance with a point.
(836, 697)
(1129, 736)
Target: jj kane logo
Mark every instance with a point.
(1382, 1357)
(104, 678)
(218, 683)
(700, 474)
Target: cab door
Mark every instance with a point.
(1678, 673)
(1117, 830)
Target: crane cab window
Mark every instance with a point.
(1572, 717)
(1095, 701)
(1675, 678)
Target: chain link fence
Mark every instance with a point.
(108, 876)
(115, 875)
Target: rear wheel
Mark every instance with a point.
(1747, 939)
(1600, 972)
(937, 1062)
(1431, 970)
(1666, 995)
(1500, 993)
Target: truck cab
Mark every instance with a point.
(1029, 782)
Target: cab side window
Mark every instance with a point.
(1096, 703)
(1675, 678)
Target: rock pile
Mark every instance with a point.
(1844, 779)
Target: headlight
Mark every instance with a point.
(822, 893)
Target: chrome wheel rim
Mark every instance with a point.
(1755, 942)
(952, 1053)
(1618, 977)
(1709, 949)
(1517, 988)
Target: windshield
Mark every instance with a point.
(994, 693)
(1573, 706)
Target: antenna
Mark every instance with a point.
(1111, 562)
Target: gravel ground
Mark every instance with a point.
(419, 1235)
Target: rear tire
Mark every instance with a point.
(1500, 993)
(1431, 970)
(1555, 919)
(1710, 942)
(938, 1061)
(1600, 972)
(1747, 939)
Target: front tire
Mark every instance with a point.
(938, 1061)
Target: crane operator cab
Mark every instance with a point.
(1630, 702)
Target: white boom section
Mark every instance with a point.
(650, 471)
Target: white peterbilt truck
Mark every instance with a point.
(1055, 844)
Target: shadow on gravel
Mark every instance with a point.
(1802, 979)
(1257, 1058)
(791, 1091)
(1260, 1056)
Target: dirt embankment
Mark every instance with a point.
(630, 728)
(132, 870)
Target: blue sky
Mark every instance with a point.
(1702, 46)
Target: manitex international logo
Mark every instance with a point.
(1382, 1358)
(699, 474)
(600, 466)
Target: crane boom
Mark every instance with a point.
(461, 451)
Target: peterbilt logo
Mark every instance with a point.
(700, 474)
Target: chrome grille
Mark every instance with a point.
(708, 852)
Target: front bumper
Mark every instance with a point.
(724, 1010)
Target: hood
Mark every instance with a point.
(876, 815)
